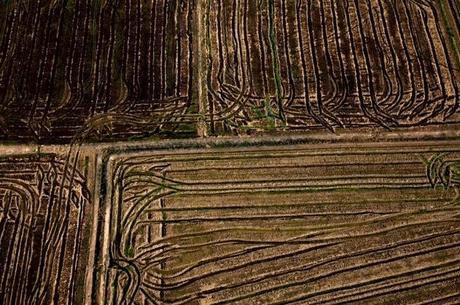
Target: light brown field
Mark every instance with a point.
(368, 223)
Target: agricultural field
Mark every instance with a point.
(331, 64)
(94, 69)
(203, 152)
(83, 70)
(268, 220)
(376, 223)
(44, 221)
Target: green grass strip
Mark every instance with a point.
(275, 56)
(453, 38)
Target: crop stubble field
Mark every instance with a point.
(300, 224)
(330, 64)
(44, 206)
(276, 220)
(102, 70)
(342, 186)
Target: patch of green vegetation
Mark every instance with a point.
(187, 127)
(422, 211)
(453, 38)
(37, 150)
(275, 56)
(80, 291)
(86, 165)
(267, 119)
(70, 5)
(443, 173)
(129, 251)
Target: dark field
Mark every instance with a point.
(106, 70)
